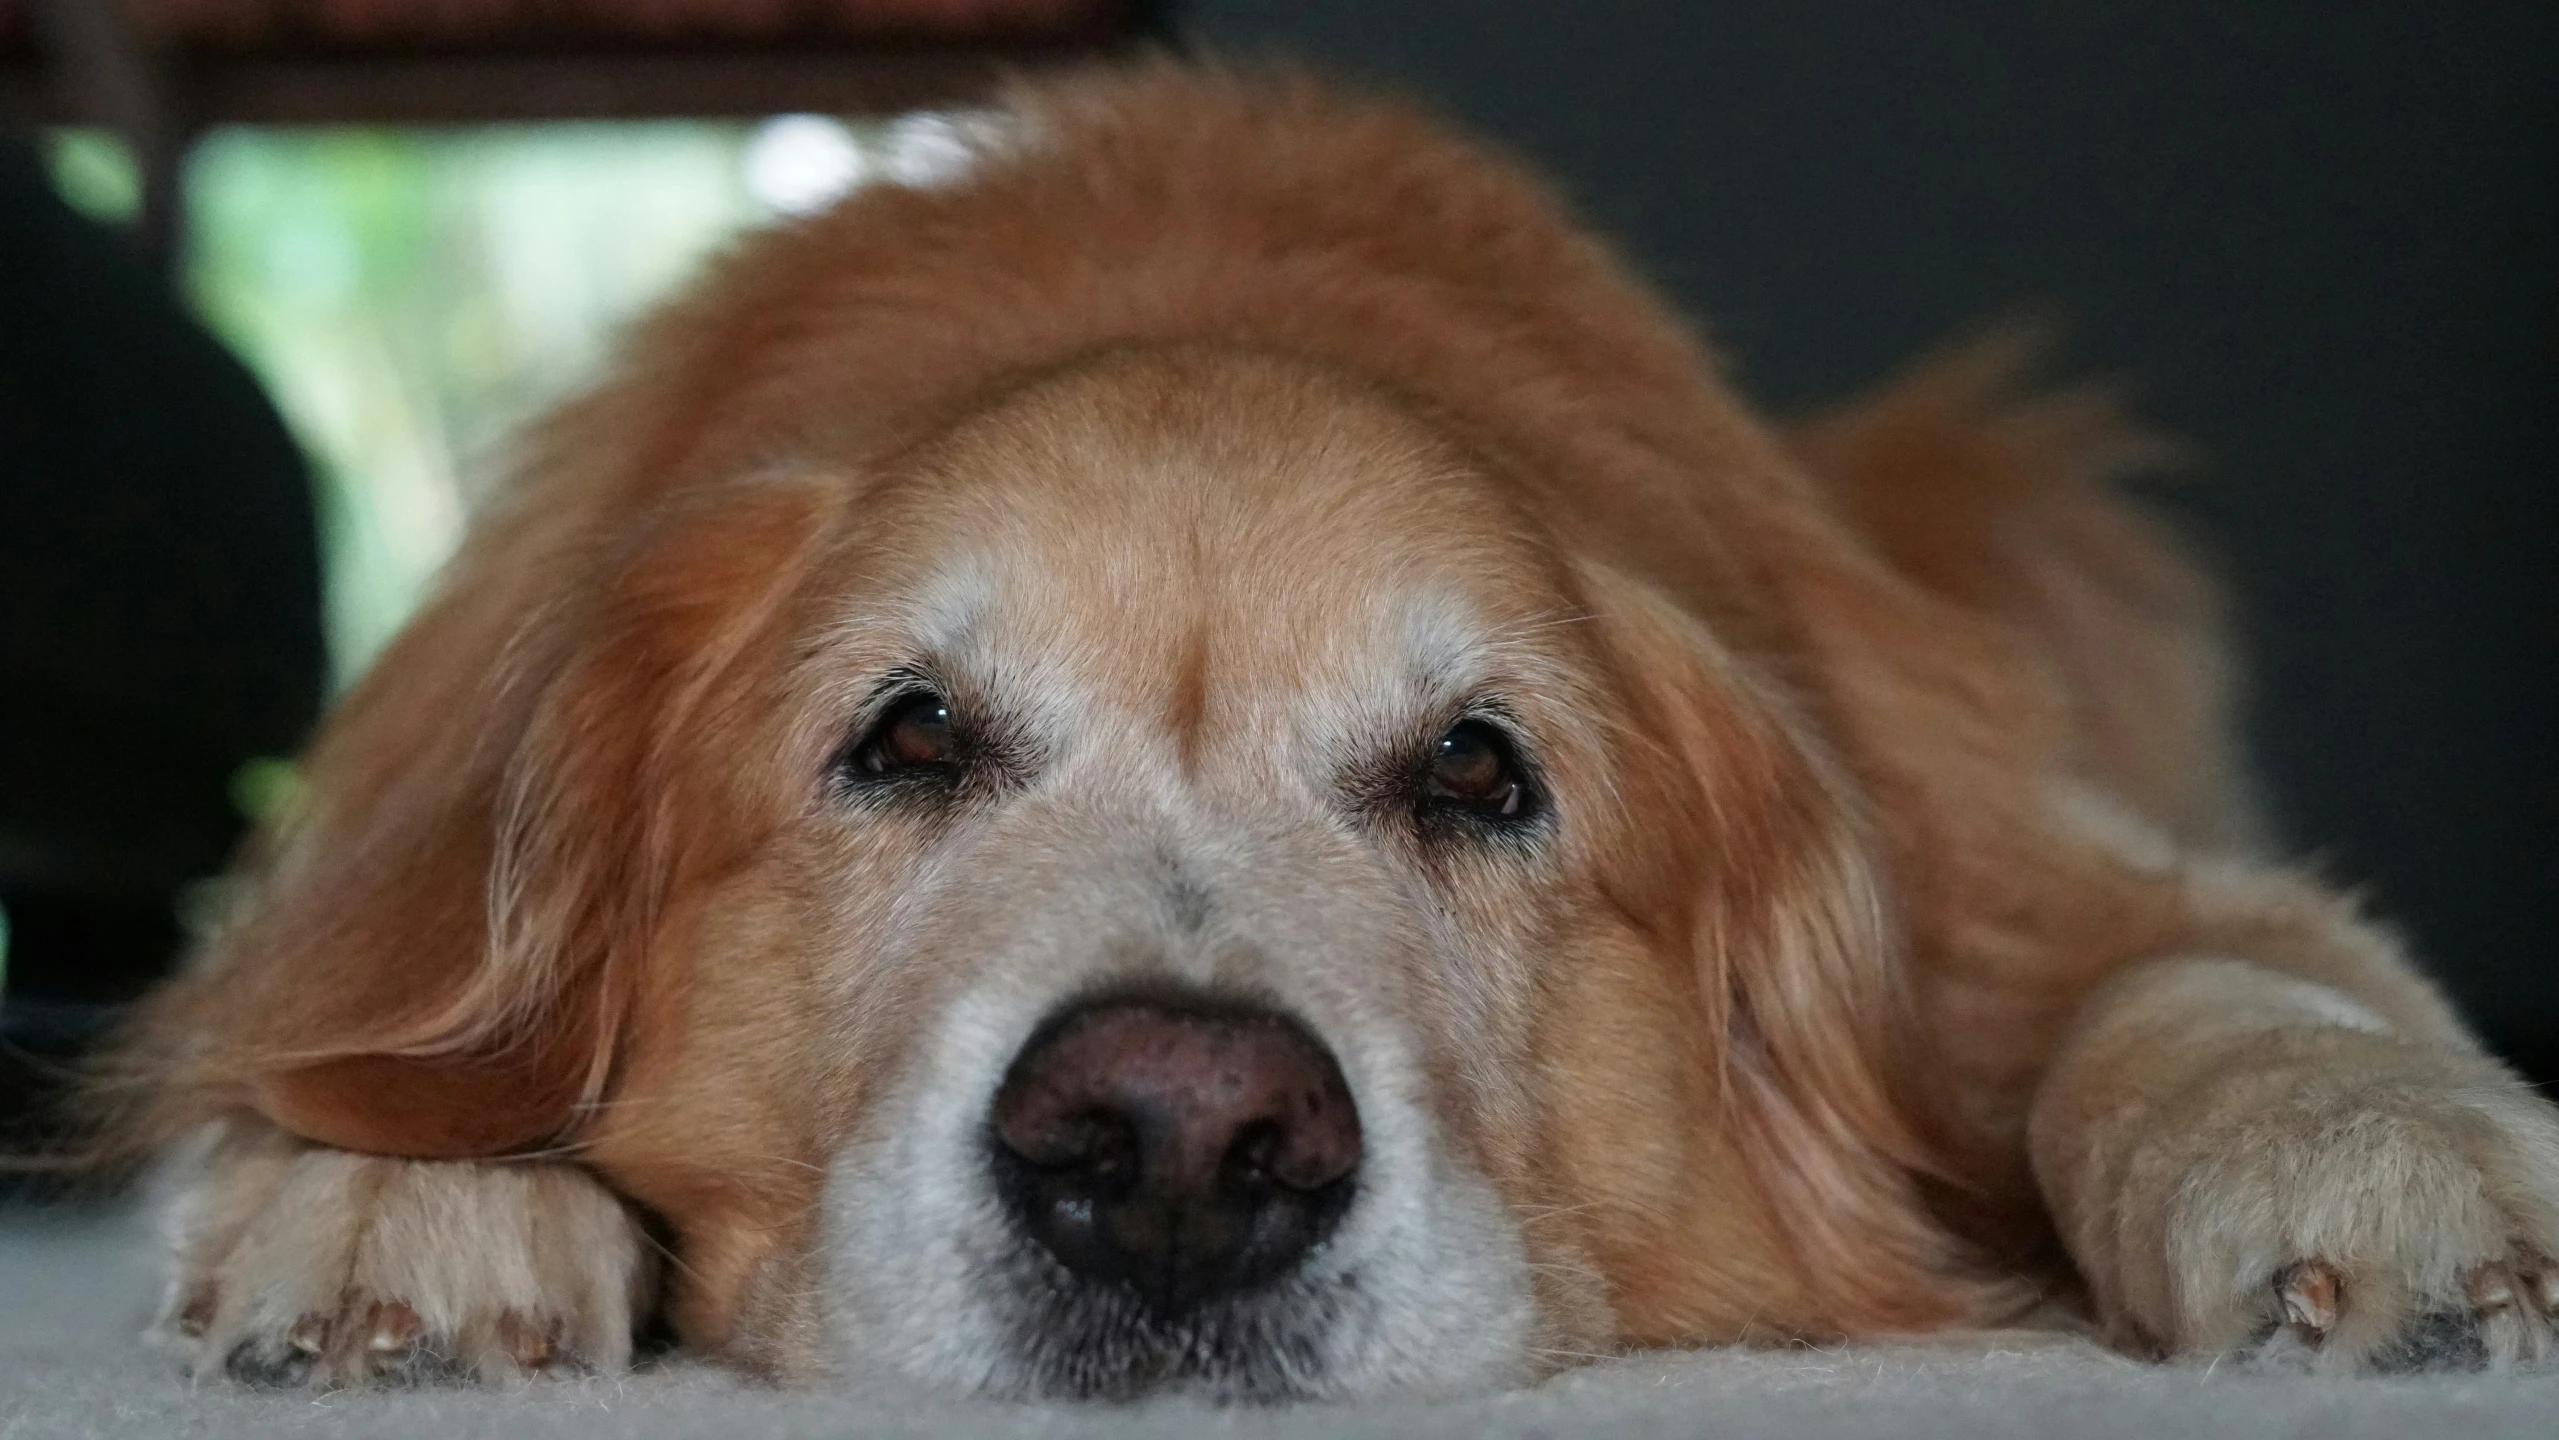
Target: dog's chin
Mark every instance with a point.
(1073, 1340)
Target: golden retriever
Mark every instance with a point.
(1210, 757)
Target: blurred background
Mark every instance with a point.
(277, 277)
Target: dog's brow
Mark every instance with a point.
(1444, 637)
(1455, 647)
(943, 611)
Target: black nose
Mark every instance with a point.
(1182, 1149)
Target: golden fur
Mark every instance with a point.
(1880, 747)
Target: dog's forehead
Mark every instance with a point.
(1277, 529)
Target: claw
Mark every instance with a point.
(2309, 1292)
(2491, 1287)
(195, 1317)
(395, 1327)
(310, 1334)
(2539, 1281)
(532, 1347)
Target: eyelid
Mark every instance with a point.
(896, 686)
(1496, 715)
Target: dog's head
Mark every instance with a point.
(1062, 851)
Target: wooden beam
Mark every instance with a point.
(475, 89)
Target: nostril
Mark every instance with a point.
(1110, 1162)
(1254, 1157)
(1099, 1147)
(1183, 1148)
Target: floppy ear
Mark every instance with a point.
(442, 953)
(1798, 974)
(1966, 614)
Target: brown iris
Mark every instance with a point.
(1473, 768)
(914, 733)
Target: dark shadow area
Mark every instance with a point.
(159, 621)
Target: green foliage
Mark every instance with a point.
(94, 170)
(263, 789)
(408, 297)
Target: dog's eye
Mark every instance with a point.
(914, 733)
(1473, 768)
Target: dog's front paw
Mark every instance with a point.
(299, 1265)
(2349, 1202)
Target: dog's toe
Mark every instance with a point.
(2321, 1316)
